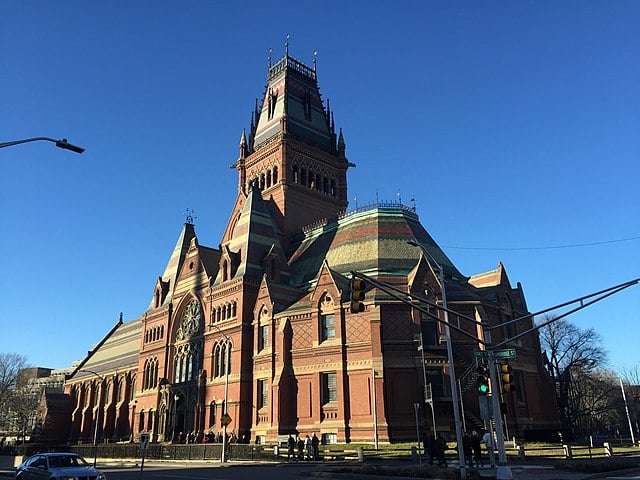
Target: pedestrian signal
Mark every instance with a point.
(357, 295)
(483, 379)
(507, 378)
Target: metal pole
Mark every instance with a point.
(626, 407)
(452, 379)
(416, 406)
(503, 471)
(375, 410)
(95, 432)
(464, 422)
(98, 401)
(175, 417)
(226, 400)
(433, 410)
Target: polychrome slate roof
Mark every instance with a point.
(372, 240)
(117, 351)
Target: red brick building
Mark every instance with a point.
(272, 305)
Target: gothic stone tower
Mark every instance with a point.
(292, 154)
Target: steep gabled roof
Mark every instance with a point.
(172, 270)
(118, 350)
(292, 105)
(254, 237)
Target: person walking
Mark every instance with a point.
(315, 444)
(308, 448)
(291, 446)
(441, 448)
(300, 445)
(466, 448)
(431, 445)
(476, 448)
(489, 441)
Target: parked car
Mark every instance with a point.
(57, 466)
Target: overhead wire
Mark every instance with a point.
(549, 247)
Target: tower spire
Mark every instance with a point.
(286, 46)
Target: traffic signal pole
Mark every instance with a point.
(503, 471)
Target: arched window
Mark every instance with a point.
(213, 412)
(303, 177)
(263, 329)
(133, 387)
(121, 390)
(333, 188)
(274, 176)
(327, 318)
(224, 270)
(221, 357)
(141, 421)
(296, 174)
(188, 347)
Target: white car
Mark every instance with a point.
(57, 466)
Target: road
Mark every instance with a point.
(289, 471)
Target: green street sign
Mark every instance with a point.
(481, 353)
(506, 353)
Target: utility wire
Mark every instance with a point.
(551, 247)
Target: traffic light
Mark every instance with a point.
(483, 379)
(357, 295)
(507, 378)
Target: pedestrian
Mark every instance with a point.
(476, 448)
(466, 448)
(441, 448)
(300, 445)
(291, 445)
(488, 440)
(315, 444)
(308, 448)
(431, 445)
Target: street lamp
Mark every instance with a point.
(225, 410)
(95, 432)
(59, 143)
(452, 374)
(176, 397)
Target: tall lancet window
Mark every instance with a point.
(188, 357)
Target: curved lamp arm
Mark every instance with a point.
(59, 143)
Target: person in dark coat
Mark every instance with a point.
(476, 448)
(441, 448)
(466, 448)
(432, 448)
(315, 445)
(300, 445)
(291, 447)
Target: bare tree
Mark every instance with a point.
(10, 366)
(572, 356)
(21, 412)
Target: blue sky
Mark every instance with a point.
(514, 125)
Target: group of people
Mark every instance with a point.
(435, 448)
(303, 449)
(205, 437)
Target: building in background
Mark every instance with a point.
(270, 307)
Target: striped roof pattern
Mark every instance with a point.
(118, 352)
(254, 237)
(372, 241)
